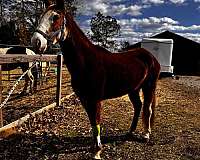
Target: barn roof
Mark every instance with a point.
(175, 37)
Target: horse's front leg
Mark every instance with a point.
(25, 89)
(31, 79)
(94, 110)
(97, 139)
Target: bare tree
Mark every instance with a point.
(26, 13)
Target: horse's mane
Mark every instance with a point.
(76, 30)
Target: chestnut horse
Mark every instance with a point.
(31, 75)
(96, 73)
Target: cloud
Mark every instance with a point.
(147, 24)
(181, 28)
(193, 36)
(94, 6)
(153, 1)
(133, 10)
(134, 29)
(158, 2)
(177, 1)
(111, 8)
(197, 1)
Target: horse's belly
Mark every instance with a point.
(113, 89)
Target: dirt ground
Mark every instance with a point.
(65, 132)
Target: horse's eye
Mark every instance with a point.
(55, 18)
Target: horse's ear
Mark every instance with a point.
(60, 4)
(47, 3)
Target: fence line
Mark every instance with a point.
(19, 58)
(30, 47)
(12, 127)
(15, 85)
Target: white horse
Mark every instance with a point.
(31, 75)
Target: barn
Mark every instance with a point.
(185, 54)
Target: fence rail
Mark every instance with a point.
(19, 58)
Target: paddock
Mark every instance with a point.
(64, 132)
(20, 58)
(45, 131)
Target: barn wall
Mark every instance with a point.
(186, 54)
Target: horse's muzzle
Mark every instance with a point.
(39, 43)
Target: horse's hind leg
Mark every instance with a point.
(28, 77)
(148, 107)
(25, 85)
(35, 73)
(137, 104)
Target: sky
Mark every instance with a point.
(145, 18)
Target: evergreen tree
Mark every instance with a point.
(104, 29)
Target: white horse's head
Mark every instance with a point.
(51, 27)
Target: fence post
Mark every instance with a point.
(1, 90)
(59, 79)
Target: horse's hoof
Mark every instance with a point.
(132, 135)
(97, 155)
(23, 93)
(129, 135)
(146, 138)
(147, 135)
(98, 152)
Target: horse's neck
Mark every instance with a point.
(72, 58)
(77, 48)
(79, 39)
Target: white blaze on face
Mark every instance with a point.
(38, 40)
(46, 21)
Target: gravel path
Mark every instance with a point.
(192, 81)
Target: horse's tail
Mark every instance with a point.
(156, 71)
(153, 106)
(149, 87)
(146, 57)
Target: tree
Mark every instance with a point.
(8, 34)
(104, 29)
(124, 45)
(26, 13)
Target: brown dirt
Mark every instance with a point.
(65, 133)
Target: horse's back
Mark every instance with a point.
(138, 57)
(16, 50)
(119, 73)
(20, 50)
(3, 51)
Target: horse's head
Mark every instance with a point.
(51, 27)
